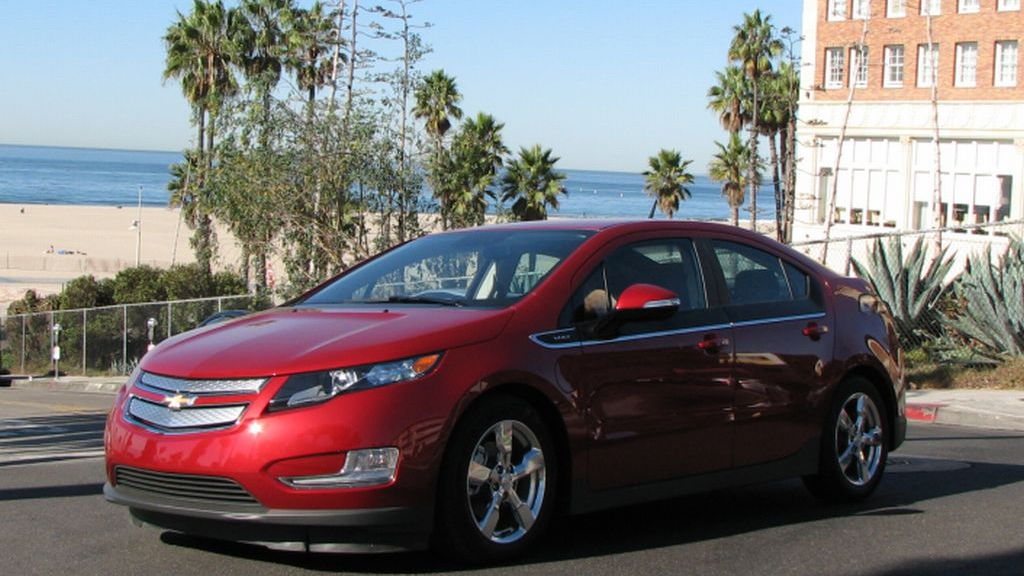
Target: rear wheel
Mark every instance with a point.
(497, 483)
(853, 447)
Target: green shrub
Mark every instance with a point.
(991, 296)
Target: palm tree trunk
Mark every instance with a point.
(752, 169)
(775, 183)
(653, 207)
(735, 215)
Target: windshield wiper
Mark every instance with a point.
(424, 300)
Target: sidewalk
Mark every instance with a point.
(999, 409)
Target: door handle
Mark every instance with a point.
(814, 331)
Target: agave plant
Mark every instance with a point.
(910, 286)
(992, 301)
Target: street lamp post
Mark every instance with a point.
(138, 232)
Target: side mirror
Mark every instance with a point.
(646, 302)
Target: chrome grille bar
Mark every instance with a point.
(160, 383)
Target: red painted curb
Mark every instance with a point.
(923, 412)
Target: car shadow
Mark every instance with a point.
(679, 521)
(52, 437)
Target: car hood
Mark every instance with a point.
(292, 340)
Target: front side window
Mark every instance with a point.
(1006, 63)
(966, 64)
(670, 264)
(837, 9)
(894, 66)
(931, 7)
(927, 64)
(472, 268)
(859, 64)
(967, 6)
(896, 8)
(834, 68)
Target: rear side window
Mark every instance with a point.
(755, 277)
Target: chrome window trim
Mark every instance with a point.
(159, 384)
(634, 337)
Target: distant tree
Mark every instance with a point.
(729, 166)
(753, 46)
(139, 284)
(666, 181)
(203, 49)
(436, 103)
(730, 98)
(87, 292)
(470, 168)
(308, 36)
(531, 184)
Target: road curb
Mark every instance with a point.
(72, 385)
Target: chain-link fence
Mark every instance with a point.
(102, 341)
(965, 307)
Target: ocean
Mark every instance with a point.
(51, 175)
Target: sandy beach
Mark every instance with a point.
(44, 246)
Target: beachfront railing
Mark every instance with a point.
(106, 340)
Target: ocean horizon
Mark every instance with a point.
(112, 177)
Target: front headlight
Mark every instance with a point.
(315, 387)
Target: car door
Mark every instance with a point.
(781, 342)
(657, 394)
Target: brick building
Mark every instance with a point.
(885, 175)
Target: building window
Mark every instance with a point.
(966, 64)
(1006, 63)
(1008, 5)
(967, 6)
(837, 9)
(932, 7)
(861, 9)
(896, 8)
(859, 66)
(927, 64)
(893, 66)
(834, 68)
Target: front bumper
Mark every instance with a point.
(356, 530)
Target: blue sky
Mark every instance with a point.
(604, 83)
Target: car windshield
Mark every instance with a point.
(471, 268)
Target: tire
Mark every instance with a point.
(854, 444)
(497, 484)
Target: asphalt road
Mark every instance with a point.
(952, 503)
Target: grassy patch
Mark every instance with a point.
(930, 375)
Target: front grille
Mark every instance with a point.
(184, 420)
(158, 383)
(184, 486)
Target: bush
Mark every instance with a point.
(87, 292)
(139, 284)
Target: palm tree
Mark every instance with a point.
(531, 184)
(202, 51)
(666, 180)
(753, 45)
(729, 166)
(730, 98)
(263, 46)
(437, 101)
(308, 36)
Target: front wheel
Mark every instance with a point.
(497, 483)
(853, 450)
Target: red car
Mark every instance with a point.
(463, 388)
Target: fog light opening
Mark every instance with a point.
(362, 468)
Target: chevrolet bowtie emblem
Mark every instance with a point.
(178, 401)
